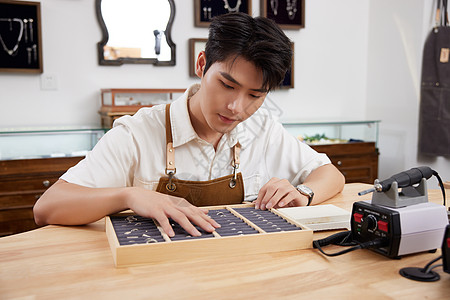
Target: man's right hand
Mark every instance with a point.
(161, 207)
(71, 204)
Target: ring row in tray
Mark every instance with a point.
(135, 229)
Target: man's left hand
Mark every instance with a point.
(277, 193)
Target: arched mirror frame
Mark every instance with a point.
(122, 60)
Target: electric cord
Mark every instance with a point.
(337, 253)
(345, 239)
(433, 267)
(429, 266)
(441, 184)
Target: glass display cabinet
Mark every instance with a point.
(350, 145)
(120, 102)
(29, 143)
(31, 160)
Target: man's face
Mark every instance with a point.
(231, 91)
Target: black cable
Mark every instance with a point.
(426, 268)
(441, 184)
(344, 238)
(316, 245)
(433, 267)
(365, 245)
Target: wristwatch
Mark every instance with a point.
(304, 190)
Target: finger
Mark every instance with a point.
(204, 223)
(184, 222)
(287, 201)
(262, 192)
(165, 224)
(183, 212)
(283, 189)
(281, 193)
(208, 218)
(267, 197)
(275, 192)
(266, 193)
(204, 210)
(212, 221)
(199, 216)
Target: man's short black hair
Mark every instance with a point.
(258, 40)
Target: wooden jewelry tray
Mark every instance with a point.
(136, 240)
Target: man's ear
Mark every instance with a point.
(200, 64)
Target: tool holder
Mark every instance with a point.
(407, 196)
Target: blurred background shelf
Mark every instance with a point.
(350, 145)
(31, 160)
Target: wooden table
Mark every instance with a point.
(57, 262)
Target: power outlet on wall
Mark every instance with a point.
(48, 82)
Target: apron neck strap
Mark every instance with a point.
(170, 152)
(236, 156)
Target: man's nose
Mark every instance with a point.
(236, 105)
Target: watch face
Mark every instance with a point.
(305, 190)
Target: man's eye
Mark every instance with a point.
(255, 96)
(226, 85)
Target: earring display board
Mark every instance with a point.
(195, 47)
(244, 230)
(289, 14)
(288, 81)
(20, 37)
(205, 10)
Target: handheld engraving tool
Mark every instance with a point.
(403, 179)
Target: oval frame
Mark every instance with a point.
(127, 60)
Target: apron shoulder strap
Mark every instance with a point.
(236, 156)
(170, 153)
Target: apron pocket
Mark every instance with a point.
(149, 185)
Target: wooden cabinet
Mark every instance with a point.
(351, 145)
(119, 102)
(22, 182)
(357, 161)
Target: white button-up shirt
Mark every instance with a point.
(133, 152)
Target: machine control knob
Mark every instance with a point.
(370, 222)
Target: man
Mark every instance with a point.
(205, 143)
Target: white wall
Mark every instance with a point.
(397, 31)
(355, 59)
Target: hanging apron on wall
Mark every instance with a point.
(434, 118)
(221, 191)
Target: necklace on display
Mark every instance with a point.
(232, 9)
(274, 6)
(207, 13)
(25, 22)
(30, 23)
(291, 8)
(12, 52)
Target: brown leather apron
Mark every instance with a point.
(221, 191)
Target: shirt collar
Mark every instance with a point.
(182, 130)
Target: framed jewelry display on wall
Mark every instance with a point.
(288, 81)
(289, 14)
(20, 37)
(205, 10)
(195, 47)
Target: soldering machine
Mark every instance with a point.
(400, 221)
